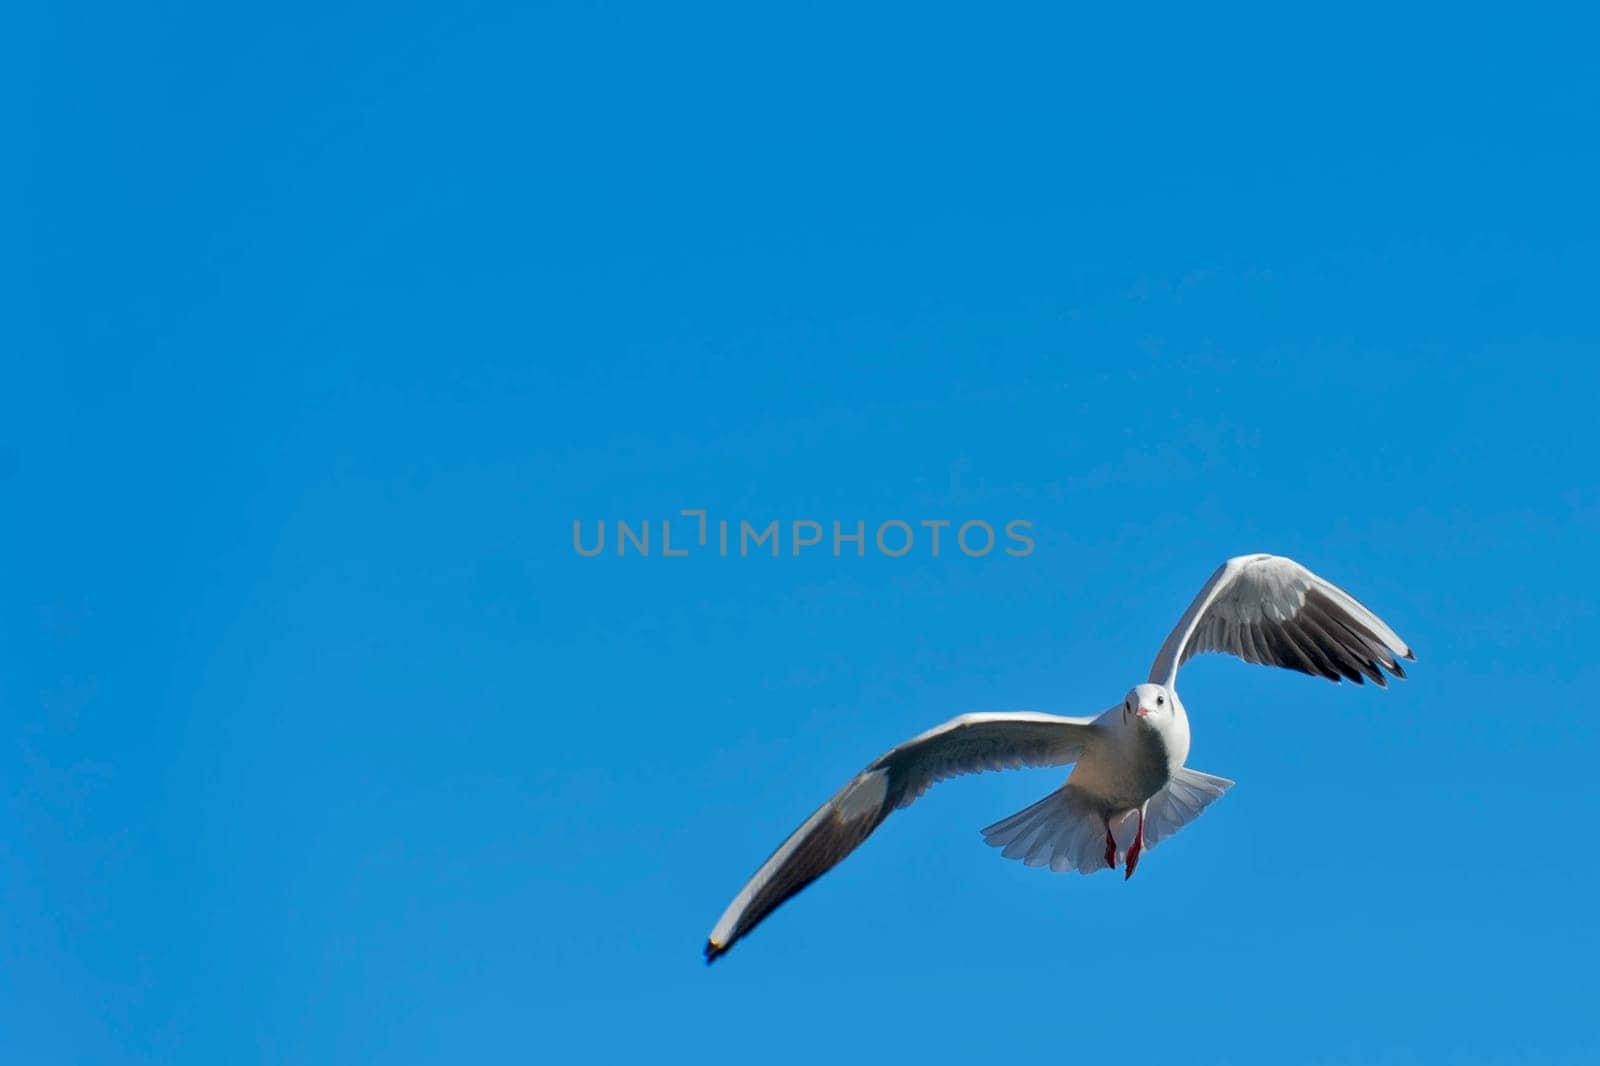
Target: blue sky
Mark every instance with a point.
(321, 324)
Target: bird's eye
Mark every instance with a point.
(1160, 700)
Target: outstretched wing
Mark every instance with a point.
(1271, 610)
(969, 744)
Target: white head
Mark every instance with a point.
(1152, 703)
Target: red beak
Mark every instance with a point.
(1143, 712)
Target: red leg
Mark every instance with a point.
(1135, 848)
(1111, 848)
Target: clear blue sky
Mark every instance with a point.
(321, 323)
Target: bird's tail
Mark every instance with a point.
(1180, 801)
(1065, 831)
(1062, 831)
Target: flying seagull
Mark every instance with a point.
(1129, 790)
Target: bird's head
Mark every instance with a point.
(1151, 703)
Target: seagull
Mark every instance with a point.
(1129, 789)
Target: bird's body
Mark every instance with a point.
(1130, 758)
(1129, 788)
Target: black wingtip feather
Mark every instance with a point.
(713, 952)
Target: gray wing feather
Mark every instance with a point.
(1271, 610)
(969, 744)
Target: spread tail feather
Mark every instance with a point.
(1063, 831)
(1066, 831)
(1180, 801)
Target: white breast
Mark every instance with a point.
(1132, 760)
